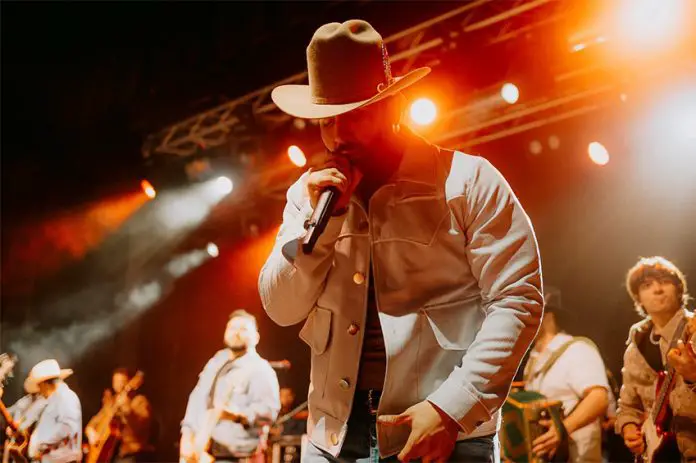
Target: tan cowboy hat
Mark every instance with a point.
(43, 371)
(348, 68)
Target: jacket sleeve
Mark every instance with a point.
(630, 406)
(290, 282)
(503, 255)
(198, 399)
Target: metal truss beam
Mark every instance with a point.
(417, 45)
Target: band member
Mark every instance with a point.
(428, 263)
(132, 422)
(569, 369)
(659, 292)
(57, 437)
(242, 386)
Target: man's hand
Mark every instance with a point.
(633, 438)
(683, 359)
(546, 445)
(433, 432)
(337, 172)
(92, 435)
(186, 447)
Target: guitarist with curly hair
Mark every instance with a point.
(657, 404)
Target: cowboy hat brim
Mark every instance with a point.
(296, 100)
(31, 384)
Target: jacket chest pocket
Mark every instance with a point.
(410, 216)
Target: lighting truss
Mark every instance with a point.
(417, 46)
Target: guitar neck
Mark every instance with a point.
(8, 417)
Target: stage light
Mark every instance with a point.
(212, 250)
(535, 147)
(223, 185)
(297, 156)
(598, 153)
(423, 111)
(510, 93)
(148, 189)
(554, 142)
(651, 23)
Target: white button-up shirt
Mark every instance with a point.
(578, 369)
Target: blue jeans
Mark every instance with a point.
(360, 445)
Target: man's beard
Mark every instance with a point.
(238, 348)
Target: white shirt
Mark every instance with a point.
(579, 368)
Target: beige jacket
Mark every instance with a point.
(458, 287)
(638, 390)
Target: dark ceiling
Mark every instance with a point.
(84, 83)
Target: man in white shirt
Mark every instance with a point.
(571, 370)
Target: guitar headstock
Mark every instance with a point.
(7, 363)
(136, 381)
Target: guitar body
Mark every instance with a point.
(103, 450)
(201, 442)
(17, 446)
(660, 442)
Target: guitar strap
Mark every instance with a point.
(223, 369)
(650, 352)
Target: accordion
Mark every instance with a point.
(522, 412)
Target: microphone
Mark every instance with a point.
(320, 217)
(280, 364)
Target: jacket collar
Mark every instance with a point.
(421, 162)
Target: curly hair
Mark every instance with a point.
(655, 267)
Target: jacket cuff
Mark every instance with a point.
(460, 404)
(291, 249)
(623, 420)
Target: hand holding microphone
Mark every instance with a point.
(329, 187)
(336, 172)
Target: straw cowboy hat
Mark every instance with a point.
(43, 371)
(348, 68)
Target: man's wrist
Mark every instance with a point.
(450, 424)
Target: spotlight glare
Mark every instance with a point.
(598, 153)
(212, 250)
(535, 147)
(224, 185)
(510, 93)
(297, 156)
(652, 23)
(423, 111)
(148, 189)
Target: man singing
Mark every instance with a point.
(242, 386)
(424, 291)
(659, 292)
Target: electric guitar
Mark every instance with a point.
(17, 444)
(103, 449)
(660, 441)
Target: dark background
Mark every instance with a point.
(84, 83)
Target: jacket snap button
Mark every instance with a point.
(344, 384)
(358, 278)
(334, 438)
(353, 329)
